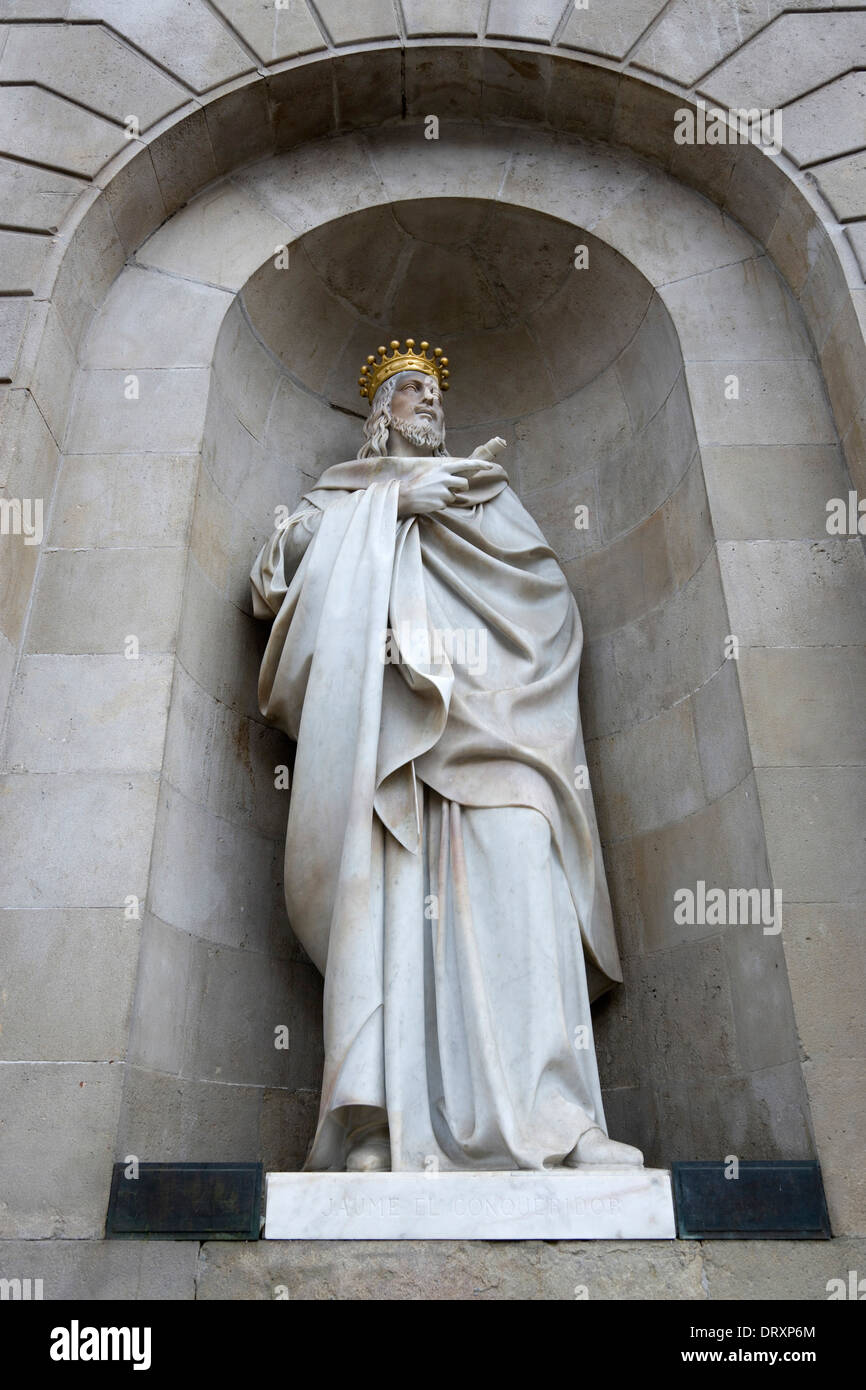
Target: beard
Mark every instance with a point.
(423, 434)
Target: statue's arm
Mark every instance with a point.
(279, 558)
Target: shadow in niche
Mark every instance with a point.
(583, 376)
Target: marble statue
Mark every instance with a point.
(443, 868)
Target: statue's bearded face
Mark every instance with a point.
(416, 409)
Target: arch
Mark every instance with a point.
(704, 269)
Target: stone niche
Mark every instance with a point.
(584, 377)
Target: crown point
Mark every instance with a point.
(381, 350)
(437, 352)
(371, 359)
(424, 347)
(410, 343)
(395, 343)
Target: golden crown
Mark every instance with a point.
(373, 373)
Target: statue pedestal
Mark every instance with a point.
(594, 1203)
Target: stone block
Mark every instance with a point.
(244, 757)
(154, 320)
(44, 128)
(756, 192)
(236, 1003)
(843, 360)
(320, 323)
(28, 451)
(825, 950)
(737, 312)
(13, 321)
(170, 1119)
(764, 1022)
(23, 259)
(623, 580)
(135, 200)
(239, 123)
(794, 55)
(85, 962)
(650, 774)
(683, 1012)
(583, 100)
(650, 364)
(721, 844)
(442, 1269)
(577, 180)
(554, 510)
(825, 122)
(93, 600)
(166, 417)
(463, 163)
(47, 367)
(91, 66)
(288, 1125)
(670, 651)
(247, 374)
(183, 160)
(221, 238)
(516, 85)
(38, 199)
(839, 1114)
(58, 1142)
(210, 536)
(109, 500)
(792, 593)
(193, 45)
(670, 235)
(608, 30)
(347, 24)
(814, 819)
(81, 713)
(160, 1024)
(778, 403)
(779, 1269)
(78, 840)
(645, 120)
(598, 416)
(90, 263)
(804, 705)
(210, 877)
(649, 467)
(18, 562)
(285, 33)
(772, 493)
(369, 87)
(824, 293)
(104, 1270)
(220, 647)
(302, 102)
(720, 729)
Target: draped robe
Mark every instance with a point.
(442, 866)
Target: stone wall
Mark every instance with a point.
(92, 788)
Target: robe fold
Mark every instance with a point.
(442, 868)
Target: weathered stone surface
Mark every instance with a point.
(88, 835)
(772, 492)
(80, 713)
(106, 500)
(90, 65)
(784, 1269)
(793, 55)
(805, 705)
(35, 198)
(275, 34)
(348, 24)
(222, 238)
(42, 127)
(511, 19)
(112, 1270)
(814, 820)
(448, 17)
(778, 403)
(93, 600)
(611, 30)
(165, 417)
(825, 948)
(59, 1128)
(787, 593)
(85, 961)
(451, 1270)
(186, 40)
(155, 320)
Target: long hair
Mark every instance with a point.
(378, 423)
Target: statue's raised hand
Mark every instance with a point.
(489, 450)
(430, 490)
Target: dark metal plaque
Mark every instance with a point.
(766, 1200)
(185, 1201)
